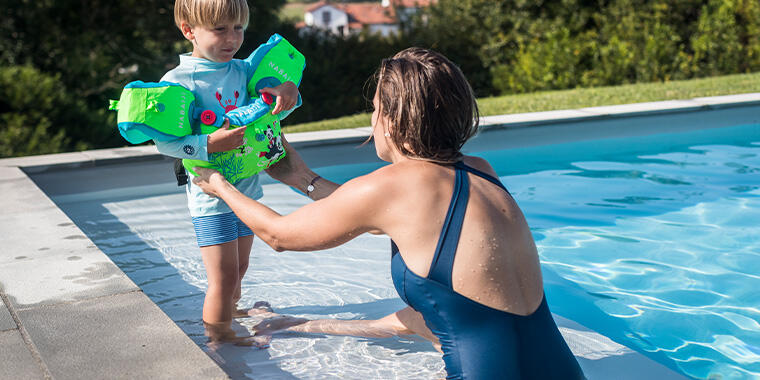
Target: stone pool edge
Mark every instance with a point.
(68, 312)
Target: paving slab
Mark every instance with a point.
(41, 163)
(120, 337)
(33, 283)
(534, 118)
(329, 136)
(729, 100)
(17, 361)
(46, 259)
(639, 109)
(6, 321)
(20, 194)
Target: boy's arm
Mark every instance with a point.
(193, 147)
(197, 147)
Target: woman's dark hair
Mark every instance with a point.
(429, 104)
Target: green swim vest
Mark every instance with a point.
(262, 147)
(163, 111)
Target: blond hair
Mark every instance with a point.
(209, 13)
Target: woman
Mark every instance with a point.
(463, 257)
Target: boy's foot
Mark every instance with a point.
(258, 341)
(220, 333)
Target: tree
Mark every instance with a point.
(30, 104)
(96, 47)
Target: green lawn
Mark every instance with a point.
(579, 98)
(293, 11)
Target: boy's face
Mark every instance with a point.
(218, 43)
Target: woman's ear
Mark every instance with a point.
(187, 31)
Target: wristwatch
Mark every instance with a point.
(310, 188)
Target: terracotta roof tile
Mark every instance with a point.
(317, 5)
(412, 3)
(368, 13)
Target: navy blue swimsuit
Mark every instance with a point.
(480, 342)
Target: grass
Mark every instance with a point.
(293, 11)
(579, 98)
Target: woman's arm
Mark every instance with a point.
(293, 171)
(403, 322)
(351, 210)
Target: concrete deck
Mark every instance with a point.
(68, 312)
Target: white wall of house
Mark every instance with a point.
(327, 17)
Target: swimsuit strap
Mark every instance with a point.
(484, 175)
(443, 260)
(445, 251)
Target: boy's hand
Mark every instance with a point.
(287, 96)
(224, 139)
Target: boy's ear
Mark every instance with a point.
(187, 31)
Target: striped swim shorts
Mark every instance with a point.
(218, 229)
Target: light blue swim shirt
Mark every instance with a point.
(219, 87)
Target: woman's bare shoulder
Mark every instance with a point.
(480, 164)
(381, 181)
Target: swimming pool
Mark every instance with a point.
(649, 240)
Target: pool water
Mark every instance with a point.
(652, 241)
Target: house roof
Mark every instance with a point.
(369, 13)
(412, 3)
(360, 13)
(319, 4)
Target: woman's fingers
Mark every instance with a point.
(204, 173)
(206, 180)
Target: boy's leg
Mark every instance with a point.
(221, 262)
(243, 251)
(245, 242)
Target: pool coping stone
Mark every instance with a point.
(87, 292)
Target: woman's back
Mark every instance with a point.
(481, 295)
(496, 262)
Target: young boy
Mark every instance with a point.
(215, 28)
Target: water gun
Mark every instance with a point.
(165, 111)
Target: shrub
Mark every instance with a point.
(31, 103)
(716, 44)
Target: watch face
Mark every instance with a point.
(310, 188)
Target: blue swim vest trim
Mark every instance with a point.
(141, 84)
(255, 58)
(136, 133)
(248, 114)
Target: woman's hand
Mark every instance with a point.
(209, 180)
(291, 170)
(287, 96)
